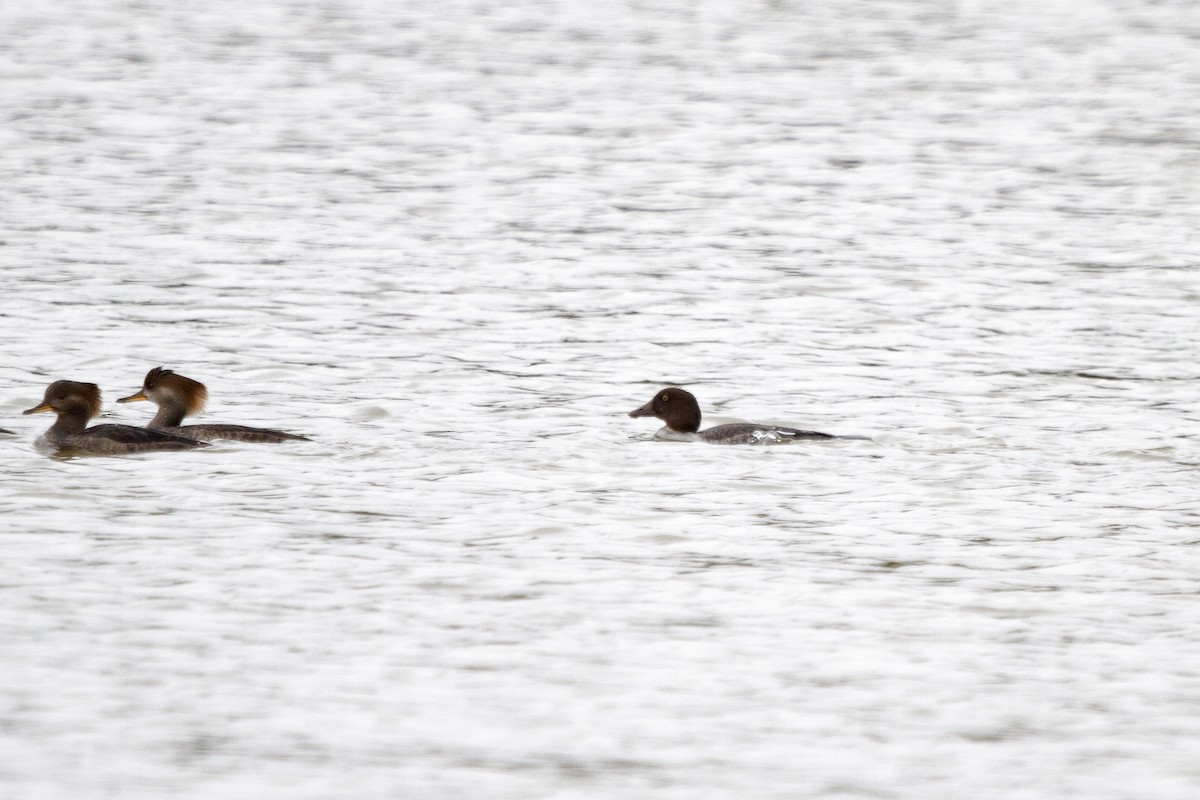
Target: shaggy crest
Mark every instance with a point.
(86, 393)
(193, 393)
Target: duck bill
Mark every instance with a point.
(133, 398)
(38, 409)
(644, 411)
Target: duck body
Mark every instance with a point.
(239, 433)
(681, 413)
(741, 433)
(177, 396)
(75, 403)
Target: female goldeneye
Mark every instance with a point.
(75, 403)
(679, 409)
(177, 396)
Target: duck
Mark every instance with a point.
(76, 403)
(680, 411)
(178, 396)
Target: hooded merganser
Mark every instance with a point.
(75, 403)
(679, 409)
(177, 396)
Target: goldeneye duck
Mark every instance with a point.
(177, 396)
(679, 409)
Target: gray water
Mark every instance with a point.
(455, 243)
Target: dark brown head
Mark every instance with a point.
(70, 397)
(162, 386)
(674, 406)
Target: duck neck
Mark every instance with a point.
(171, 412)
(685, 422)
(70, 422)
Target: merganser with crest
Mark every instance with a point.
(177, 396)
(75, 403)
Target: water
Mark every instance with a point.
(455, 243)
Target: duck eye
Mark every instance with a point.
(665, 398)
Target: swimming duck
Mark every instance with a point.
(75, 403)
(177, 396)
(679, 409)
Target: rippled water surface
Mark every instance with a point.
(455, 243)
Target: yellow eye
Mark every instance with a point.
(665, 398)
